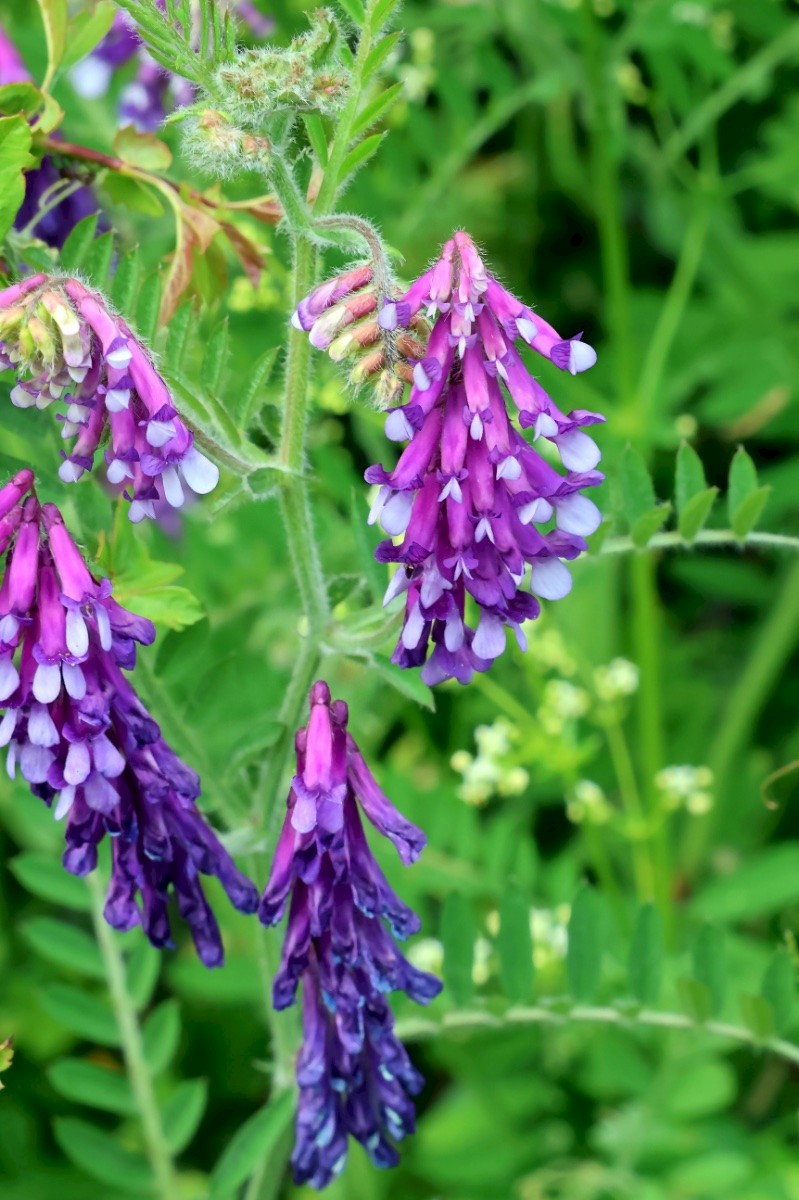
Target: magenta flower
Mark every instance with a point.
(469, 505)
(67, 346)
(354, 1075)
(81, 738)
(148, 99)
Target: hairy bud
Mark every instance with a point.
(220, 148)
(307, 76)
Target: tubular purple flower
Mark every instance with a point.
(66, 345)
(354, 1075)
(81, 738)
(469, 505)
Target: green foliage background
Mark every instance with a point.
(633, 169)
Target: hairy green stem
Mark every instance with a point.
(418, 1028)
(141, 1080)
(643, 869)
(645, 616)
(720, 538)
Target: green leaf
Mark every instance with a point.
(638, 491)
(101, 1157)
(125, 282)
(143, 967)
(183, 1112)
(378, 55)
(779, 989)
(147, 306)
(215, 358)
(696, 999)
(646, 955)
(689, 476)
(81, 1013)
(361, 154)
(758, 1016)
(89, 1083)
(15, 144)
(354, 10)
(766, 884)
(696, 512)
(44, 877)
(161, 1035)
(250, 1145)
(252, 401)
(317, 136)
(87, 30)
(381, 13)
(515, 946)
(742, 480)
(748, 512)
(407, 683)
(458, 936)
(377, 108)
(648, 524)
(584, 953)
(78, 244)
(178, 336)
(709, 965)
(64, 945)
(55, 17)
(170, 606)
(97, 262)
(20, 98)
(142, 150)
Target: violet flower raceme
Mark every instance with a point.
(66, 345)
(470, 500)
(354, 1075)
(55, 225)
(148, 99)
(81, 738)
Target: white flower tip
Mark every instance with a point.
(200, 473)
(581, 356)
(551, 580)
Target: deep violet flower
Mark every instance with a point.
(66, 345)
(79, 735)
(469, 504)
(55, 225)
(153, 93)
(354, 1075)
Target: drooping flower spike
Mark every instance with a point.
(468, 506)
(153, 93)
(66, 345)
(78, 734)
(340, 316)
(354, 1075)
(56, 224)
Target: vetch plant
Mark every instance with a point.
(191, 299)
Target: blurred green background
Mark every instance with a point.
(633, 170)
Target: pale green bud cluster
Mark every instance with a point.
(307, 76)
(616, 681)
(588, 803)
(491, 771)
(686, 786)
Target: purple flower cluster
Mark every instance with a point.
(81, 738)
(469, 504)
(55, 225)
(65, 345)
(146, 100)
(354, 1075)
